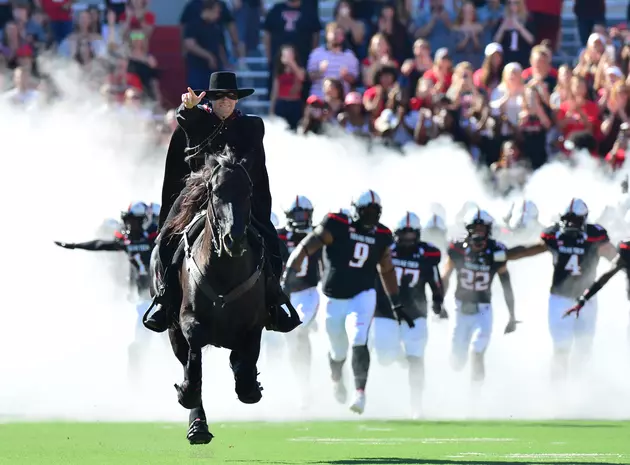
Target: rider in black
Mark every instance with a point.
(202, 131)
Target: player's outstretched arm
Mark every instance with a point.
(617, 264)
(94, 246)
(524, 251)
(313, 242)
(508, 293)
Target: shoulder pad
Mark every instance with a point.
(624, 245)
(500, 252)
(338, 217)
(596, 231)
(382, 229)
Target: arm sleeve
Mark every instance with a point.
(188, 117)
(175, 171)
(100, 246)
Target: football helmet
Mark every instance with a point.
(367, 208)
(522, 215)
(299, 214)
(573, 219)
(473, 220)
(408, 230)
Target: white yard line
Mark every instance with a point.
(390, 441)
(565, 456)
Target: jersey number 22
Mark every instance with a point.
(360, 255)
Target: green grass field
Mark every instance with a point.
(337, 443)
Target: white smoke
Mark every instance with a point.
(66, 325)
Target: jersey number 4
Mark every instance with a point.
(360, 255)
(475, 280)
(573, 265)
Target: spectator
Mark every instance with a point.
(59, 14)
(533, 126)
(615, 114)
(384, 94)
(413, 68)
(83, 30)
(546, 15)
(488, 76)
(507, 98)
(562, 91)
(33, 32)
(463, 93)
(286, 93)
(541, 74)
(288, 23)
(117, 6)
(354, 29)
(334, 96)
(589, 13)
(589, 58)
(137, 17)
(203, 43)
(616, 157)
(247, 14)
(467, 35)
(120, 79)
(379, 53)
(515, 33)
(578, 113)
(332, 61)
(85, 56)
(490, 15)
(354, 119)
(511, 171)
(604, 83)
(316, 115)
(435, 25)
(390, 25)
(192, 13)
(441, 73)
(144, 65)
(12, 42)
(24, 92)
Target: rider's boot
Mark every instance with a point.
(279, 319)
(158, 316)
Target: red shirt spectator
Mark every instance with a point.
(571, 120)
(617, 158)
(57, 10)
(441, 75)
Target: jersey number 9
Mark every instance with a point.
(475, 280)
(360, 255)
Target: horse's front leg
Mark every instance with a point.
(189, 392)
(243, 363)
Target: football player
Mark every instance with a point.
(476, 259)
(357, 248)
(576, 247)
(416, 263)
(304, 295)
(434, 230)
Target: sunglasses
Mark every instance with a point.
(220, 95)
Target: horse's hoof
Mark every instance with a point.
(252, 397)
(198, 433)
(189, 396)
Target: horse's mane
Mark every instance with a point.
(197, 186)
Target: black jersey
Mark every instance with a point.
(575, 258)
(476, 270)
(623, 249)
(311, 269)
(353, 256)
(415, 269)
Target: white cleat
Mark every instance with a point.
(358, 406)
(341, 394)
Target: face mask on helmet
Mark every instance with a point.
(299, 218)
(407, 237)
(572, 223)
(478, 234)
(369, 215)
(133, 224)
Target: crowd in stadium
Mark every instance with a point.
(399, 72)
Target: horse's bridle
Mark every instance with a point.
(221, 163)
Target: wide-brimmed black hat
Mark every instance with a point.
(224, 81)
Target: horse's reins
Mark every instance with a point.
(195, 271)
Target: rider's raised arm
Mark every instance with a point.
(187, 118)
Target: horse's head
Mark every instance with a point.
(230, 204)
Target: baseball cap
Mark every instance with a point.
(493, 48)
(441, 53)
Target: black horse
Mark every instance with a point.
(222, 282)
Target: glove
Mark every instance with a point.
(288, 280)
(65, 245)
(439, 310)
(399, 313)
(511, 326)
(576, 308)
